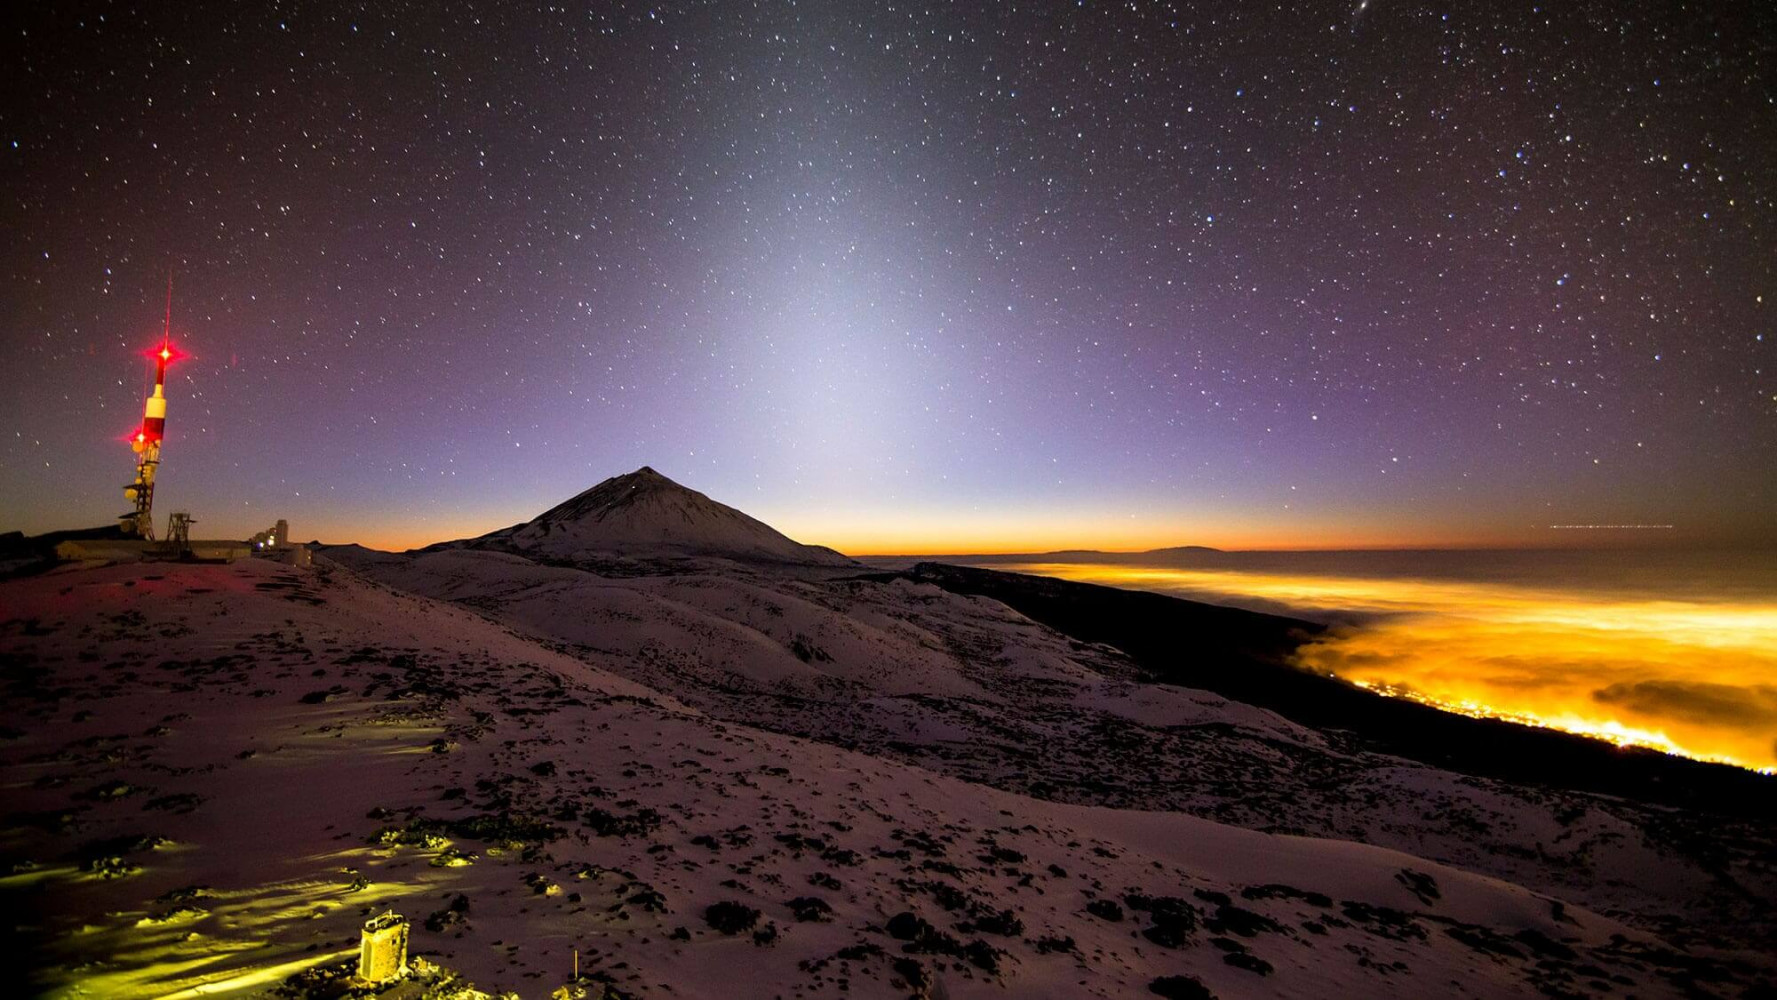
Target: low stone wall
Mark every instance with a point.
(135, 550)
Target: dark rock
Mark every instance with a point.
(1419, 884)
(1239, 920)
(1005, 923)
(637, 824)
(1543, 945)
(1174, 919)
(1251, 963)
(810, 909)
(911, 972)
(982, 955)
(1180, 988)
(1105, 909)
(1277, 891)
(905, 926)
(729, 917)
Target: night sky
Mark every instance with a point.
(895, 278)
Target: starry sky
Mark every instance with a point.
(903, 277)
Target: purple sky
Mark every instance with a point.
(944, 276)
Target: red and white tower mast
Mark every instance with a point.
(146, 444)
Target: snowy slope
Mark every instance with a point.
(970, 688)
(285, 730)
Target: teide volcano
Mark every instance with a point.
(645, 515)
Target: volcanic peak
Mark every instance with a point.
(643, 513)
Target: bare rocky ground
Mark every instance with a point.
(214, 774)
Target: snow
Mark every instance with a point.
(969, 688)
(644, 703)
(278, 836)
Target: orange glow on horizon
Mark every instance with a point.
(1015, 531)
(929, 534)
(397, 539)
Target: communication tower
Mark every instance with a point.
(139, 521)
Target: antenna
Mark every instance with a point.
(139, 521)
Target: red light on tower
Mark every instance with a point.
(165, 354)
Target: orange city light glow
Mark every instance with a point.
(1695, 677)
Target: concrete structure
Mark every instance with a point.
(123, 550)
(275, 537)
(382, 953)
(274, 543)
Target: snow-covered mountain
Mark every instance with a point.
(644, 515)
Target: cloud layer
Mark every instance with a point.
(1696, 676)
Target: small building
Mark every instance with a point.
(275, 537)
(382, 953)
(274, 543)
